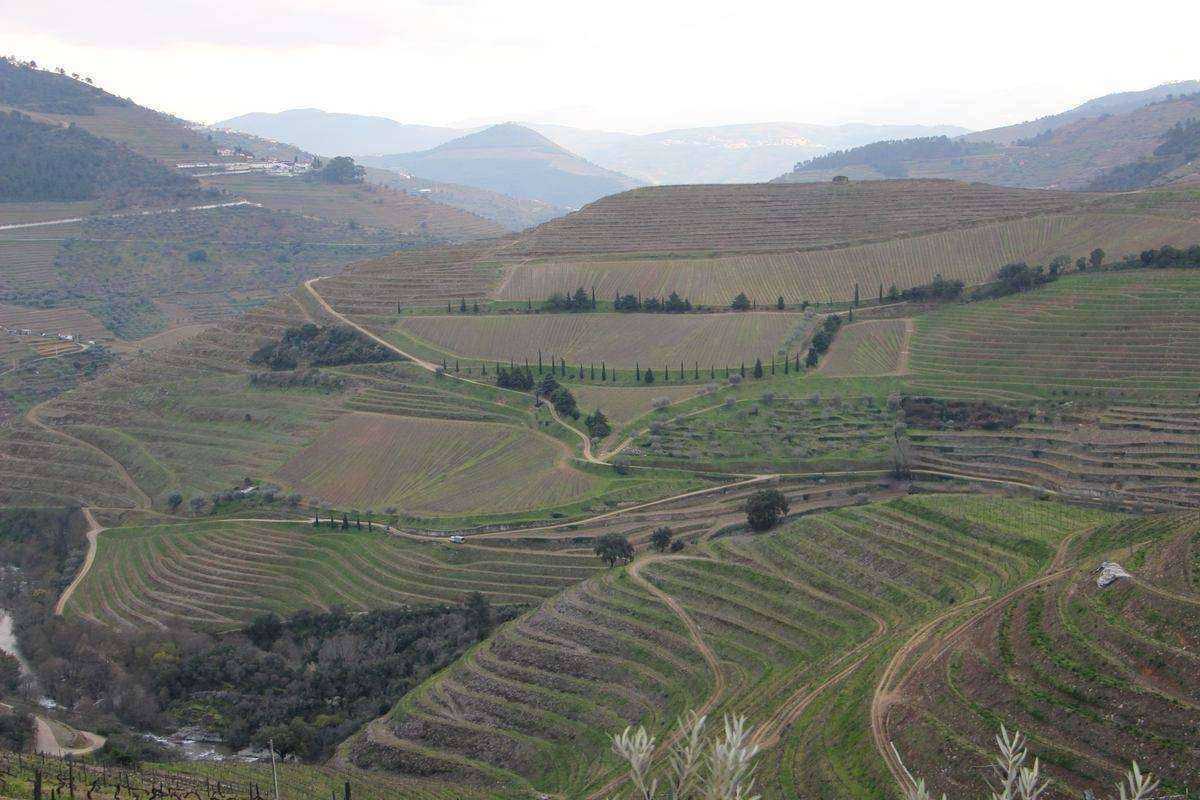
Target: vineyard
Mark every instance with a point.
(622, 340)
(767, 217)
(875, 347)
(1144, 456)
(26, 264)
(1110, 335)
(774, 617)
(972, 255)
(433, 467)
(1094, 677)
(790, 434)
(412, 278)
(53, 321)
(220, 574)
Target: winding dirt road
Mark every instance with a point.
(93, 533)
(46, 742)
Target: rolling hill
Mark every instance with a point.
(512, 160)
(1068, 151)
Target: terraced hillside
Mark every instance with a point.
(1094, 676)
(773, 217)
(220, 574)
(1110, 336)
(775, 626)
(874, 347)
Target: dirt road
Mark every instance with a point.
(93, 533)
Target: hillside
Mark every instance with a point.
(45, 162)
(511, 213)
(512, 160)
(1118, 103)
(1070, 154)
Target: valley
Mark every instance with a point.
(393, 499)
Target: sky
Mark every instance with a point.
(623, 65)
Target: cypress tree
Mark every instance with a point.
(881, 294)
(712, 371)
(603, 371)
(448, 311)
(462, 305)
(758, 369)
(593, 298)
(786, 363)
(743, 369)
(581, 370)
(456, 365)
(772, 363)
(593, 371)
(637, 372)
(696, 373)
(856, 295)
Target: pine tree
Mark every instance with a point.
(758, 368)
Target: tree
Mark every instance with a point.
(597, 424)
(856, 295)
(764, 507)
(648, 377)
(613, 547)
(340, 170)
(758, 368)
(1097, 258)
(264, 630)
(174, 499)
(740, 303)
(779, 303)
(660, 540)
(564, 402)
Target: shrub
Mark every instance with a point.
(660, 403)
(660, 540)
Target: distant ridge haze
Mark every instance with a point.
(716, 154)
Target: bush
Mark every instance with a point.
(660, 403)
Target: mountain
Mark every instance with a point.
(1069, 151)
(743, 153)
(723, 154)
(513, 160)
(333, 134)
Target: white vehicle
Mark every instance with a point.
(456, 539)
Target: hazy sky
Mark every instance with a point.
(632, 65)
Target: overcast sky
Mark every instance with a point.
(630, 65)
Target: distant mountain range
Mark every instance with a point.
(1077, 149)
(722, 154)
(513, 160)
